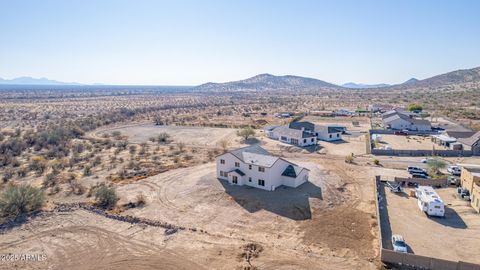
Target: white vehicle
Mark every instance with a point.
(454, 170)
(429, 201)
(398, 243)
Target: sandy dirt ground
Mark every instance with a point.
(455, 237)
(191, 136)
(327, 223)
(408, 142)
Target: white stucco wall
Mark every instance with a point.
(272, 176)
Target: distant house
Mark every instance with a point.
(471, 143)
(256, 167)
(304, 133)
(344, 112)
(470, 180)
(399, 120)
(284, 114)
(289, 135)
(450, 139)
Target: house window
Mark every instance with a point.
(330, 135)
(249, 179)
(261, 182)
(249, 167)
(313, 139)
(338, 135)
(304, 140)
(223, 174)
(294, 141)
(235, 179)
(283, 138)
(222, 161)
(237, 164)
(261, 169)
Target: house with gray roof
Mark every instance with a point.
(400, 120)
(256, 167)
(304, 133)
(471, 143)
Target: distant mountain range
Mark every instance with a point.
(362, 86)
(35, 81)
(290, 82)
(271, 82)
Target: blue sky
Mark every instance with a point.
(192, 42)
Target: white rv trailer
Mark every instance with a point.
(429, 201)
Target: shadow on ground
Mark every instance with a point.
(292, 203)
(451, 219)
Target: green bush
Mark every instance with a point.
(106, 197)
(19, 200)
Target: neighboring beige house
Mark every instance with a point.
(470, 180)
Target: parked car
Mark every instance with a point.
(420, 175)
(453, 181)
(398, 243)
(412, 169)
(454, 170)
(425, 160)
(401, 133)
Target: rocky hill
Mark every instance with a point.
(268, 82)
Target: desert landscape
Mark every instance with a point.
(245, 135)
(157, 154)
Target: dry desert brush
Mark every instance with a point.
(18, 200)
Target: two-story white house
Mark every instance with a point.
(256, 167)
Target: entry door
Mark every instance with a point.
(234, 179)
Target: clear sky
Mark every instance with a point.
(186, 42)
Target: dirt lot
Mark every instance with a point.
(398, 142)
(325, 224)
(454, 237)
(192, 136)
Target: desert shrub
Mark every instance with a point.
(106, 197)
(246, 132)
(50, 180)
(87, 170)
(376, 162)
(37, 164)
(435, 165)
(181, 146)
(132, 149)
(141, 200)
(163, 137)
(7, 175)
(19, 200)
(349, 159)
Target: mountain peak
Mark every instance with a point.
(266, 81)
(411, 80)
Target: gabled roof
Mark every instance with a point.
(255, 155)
(304, 124)
(460, 134)
(290, 172)
(238, 172)
(404, 117)
(475, 138)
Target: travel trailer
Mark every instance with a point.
(429, 201)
